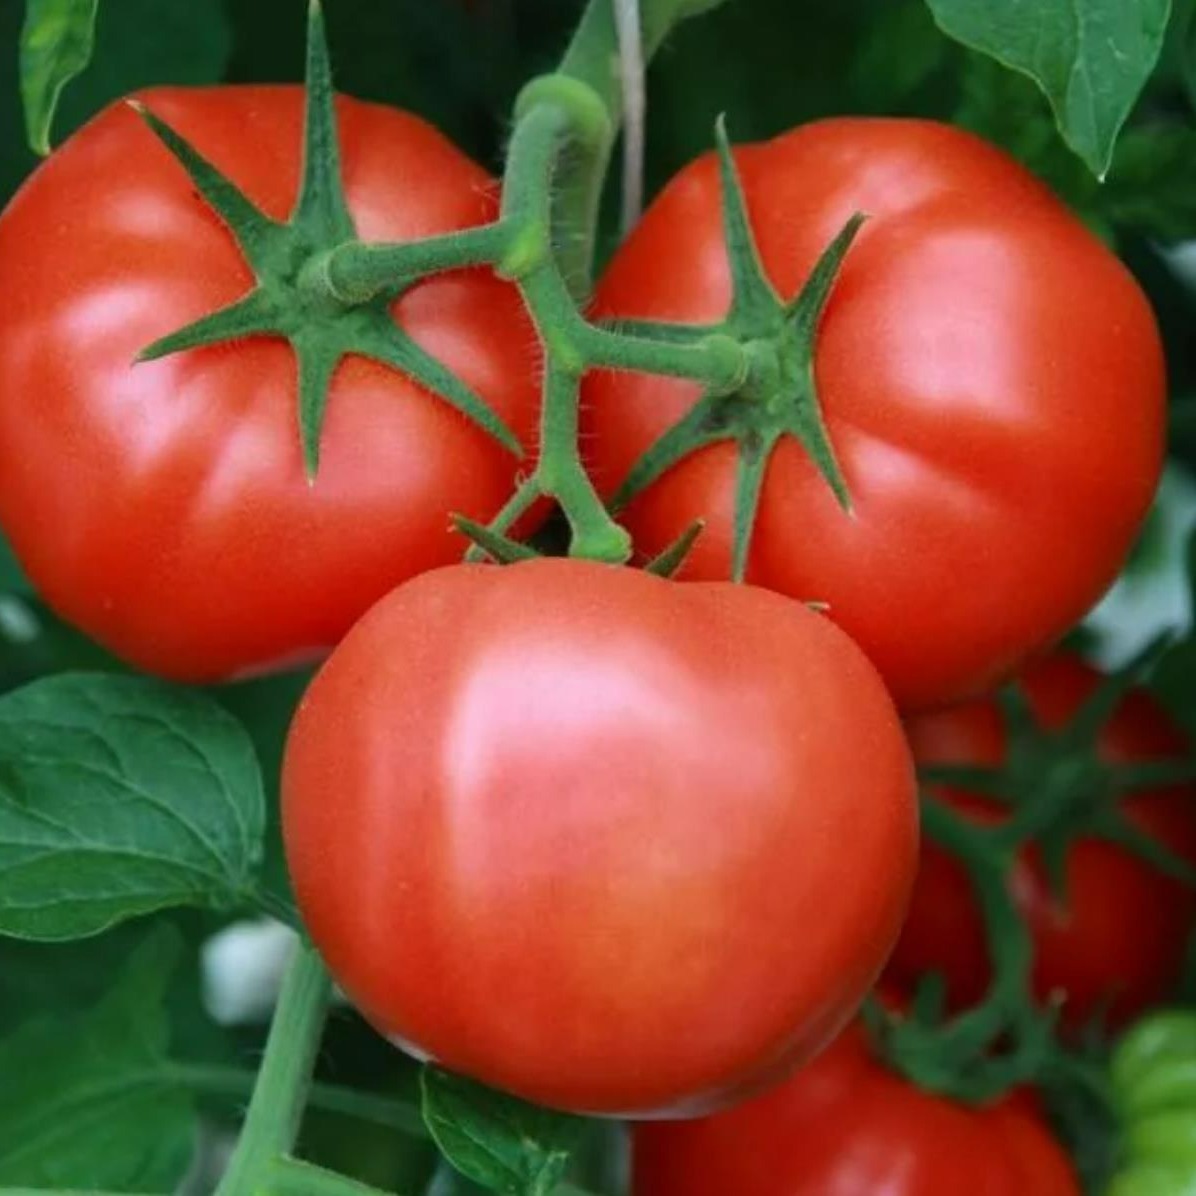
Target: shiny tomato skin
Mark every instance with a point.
(163, 507)
(845, 1126)
(578, 832)
(1115, 946)
(991, 378)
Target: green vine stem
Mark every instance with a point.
(329, 294)
(1004, 1040)
(1055, 787)
(543, 242)
(280, 1095)
(293, 1177)
(274, 905)
(237, 1083)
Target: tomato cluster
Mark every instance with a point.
(616, 843)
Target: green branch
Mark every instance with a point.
(237, 1083)
(1005, 1040)
(280, 1095)
(292, 1177)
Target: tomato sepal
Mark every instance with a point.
(777, 395)
(296, 297)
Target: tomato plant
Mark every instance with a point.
(982, 398)
(162, 505)
(845, 1124)
(1109, 923)
(397, 376)
(639, 748)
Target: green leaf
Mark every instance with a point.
(496, 1140)
(118, 796)
(1091, 57)
(57, 40)
(138, 43)
(87, 1100)
(265, 707)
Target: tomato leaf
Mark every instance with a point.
(1091, 57)
(118, 796)
(496, 1140)
(88, 1101)
(57, 40)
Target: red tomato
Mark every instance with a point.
(991, 378)
(1115, 943)
(846, 1126)
(579, 832)
(163, 507)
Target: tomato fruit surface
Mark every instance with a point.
(990, 375)
(607, 842)
(1152, 1078)
(163, 507)
(1113, 942)
(846, 1126)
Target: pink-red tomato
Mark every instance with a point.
(846, 1126)
(991, 378)
(1114, 943)
(163, 507)
(607, 842)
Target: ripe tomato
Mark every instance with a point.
(163, 507)
(990, 375)
(579, 832)
(846, 1126)
(1114, 944)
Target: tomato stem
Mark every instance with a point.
(280, 1094)
(543, 242)
(276, 906)
(327, 293)
(358, 271)
(716, 360)
(293, 1177)
(237, 1083)
(1054, 786)
(1005, 1039)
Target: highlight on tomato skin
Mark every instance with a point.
(540, 817)
(1113, 942)
(164, 507)
(846, 1125)
(990, 375)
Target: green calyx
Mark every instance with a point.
(981, 1053)
(777, 395)
(296, 296)
(1058, 786)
